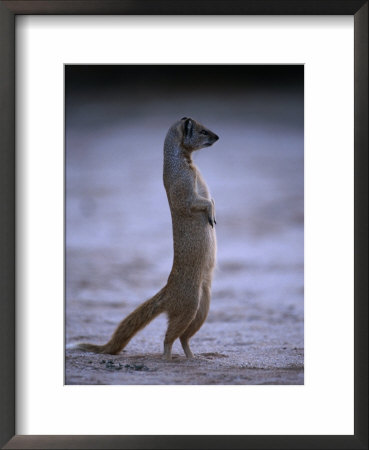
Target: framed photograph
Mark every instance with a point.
(184, 224)
(260, 266)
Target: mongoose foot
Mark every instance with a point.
(167, 351)
(186, 347)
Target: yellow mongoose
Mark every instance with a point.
(186, 296)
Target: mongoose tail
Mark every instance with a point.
(133, 323)
(89, 347)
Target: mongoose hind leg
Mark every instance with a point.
(186, 347)
(197, 322)
(176, 327)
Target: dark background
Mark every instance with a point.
(146, 84)
(81, 78)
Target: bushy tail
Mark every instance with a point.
(133, 323)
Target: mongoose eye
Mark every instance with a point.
(204, 132)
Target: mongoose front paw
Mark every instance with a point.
(213, 202)
(211, 222)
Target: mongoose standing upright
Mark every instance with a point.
(186, 296)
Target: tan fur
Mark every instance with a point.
(186, 296)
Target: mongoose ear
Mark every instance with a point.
(188, 127)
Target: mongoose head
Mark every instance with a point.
(195, 136)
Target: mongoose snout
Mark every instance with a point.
(186, 296)
(213, 139)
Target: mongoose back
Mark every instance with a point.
(186, 296)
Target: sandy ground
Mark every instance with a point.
(119, 243)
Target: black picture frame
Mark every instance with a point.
(8, 11)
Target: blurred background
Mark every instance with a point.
(118, 225)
